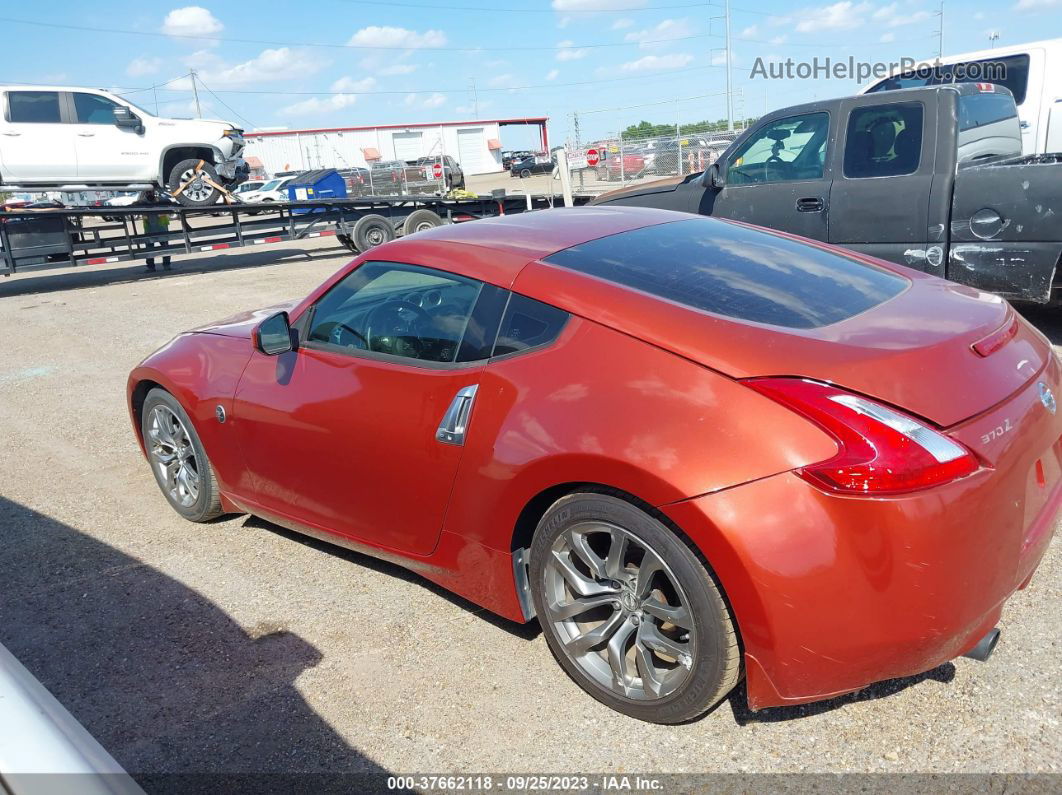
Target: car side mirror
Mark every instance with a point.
(714, 177)
(123, 117)
(273, 335)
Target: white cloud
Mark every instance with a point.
(390, 37)
(1032, 5)
(886, 38)
(316, 105)
(192, 21)
(435, 100)
(397, 69)
(138, 67)
(354, 86)
(552, 74)
(664, 31)
(410, 99)
(596, 5)
(469, 109)
(778, 39)
(750, 32)
(283, 63)
(652, 62)
(501, 81)
(891, 16)
(623, 23)
(569, 52)
(838, 16)
(564, 22)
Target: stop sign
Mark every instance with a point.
(592, 157)
(437, 171)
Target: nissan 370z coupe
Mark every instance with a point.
(693, 449)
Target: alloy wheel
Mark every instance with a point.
(198, 190)
(173, 456)
(619, 612)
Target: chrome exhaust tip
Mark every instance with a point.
(984, 648)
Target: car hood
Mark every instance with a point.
(243, 324)
(642, 189)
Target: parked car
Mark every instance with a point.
(45, 204)
(53, 137)
(615, 167)
(453, 176)
(1031, 72)
(559, 426)
(249, 187)
(929, 177)
(534, 164)
(272, 191)
(123, 199)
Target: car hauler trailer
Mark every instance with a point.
(81, 236)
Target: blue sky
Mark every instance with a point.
(343, 62)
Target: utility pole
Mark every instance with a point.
(993, 37)
(475, 99)
(940, 31)
(155, 93)
(195, 91)
(729, 98)
(578, 142)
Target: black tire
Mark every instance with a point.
(525, 173)
(715, 660)
(207, 503)
(420, 220)
(372, 230)
(197, 194)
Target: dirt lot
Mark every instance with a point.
(238, 646)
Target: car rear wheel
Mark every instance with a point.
(630, 611)
(525, 173)
(177, 458)
(193, 173)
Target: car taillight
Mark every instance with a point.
(881, 450)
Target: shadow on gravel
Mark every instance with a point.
(88, 276)
(528, 631)
(173, 688)
(743, 715)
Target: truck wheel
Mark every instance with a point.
(199, 193)
(419, 220)
(372, 230)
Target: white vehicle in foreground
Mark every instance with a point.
(75, 139)
(1032, 72)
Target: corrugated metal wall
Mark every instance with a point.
(297, 151)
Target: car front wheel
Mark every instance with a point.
(630, 611)
(177, 458)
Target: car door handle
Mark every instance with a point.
(810, 205)
(86, 135)
(12, 134)
(454, 423)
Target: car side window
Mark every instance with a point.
(883, 140)
(93, 109)
(792, 148)
(396, 309)
(528, 323)
(33, 107)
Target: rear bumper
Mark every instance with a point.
(833, 593)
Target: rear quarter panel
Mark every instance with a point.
(601, 407)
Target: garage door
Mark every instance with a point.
(408, 145)
(472, 151)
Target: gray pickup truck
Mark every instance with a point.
(931, 177)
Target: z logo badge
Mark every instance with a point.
(1047, 397)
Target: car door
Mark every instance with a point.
(105, 151)
(35, 145)
(883, 181)
(360, 430)
(780, 177)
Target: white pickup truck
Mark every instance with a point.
(72, 139)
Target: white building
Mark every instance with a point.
(476, 145)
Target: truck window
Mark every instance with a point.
(1011, 71)
(33, 107)
(93, 109)
(883, 140)
(793, 148)
(988, 126)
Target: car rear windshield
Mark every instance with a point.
(731, 270)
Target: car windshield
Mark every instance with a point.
(273, 184)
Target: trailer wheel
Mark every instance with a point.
(372, 230)
(419, 220)
(199, 192)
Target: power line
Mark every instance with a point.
(653, 104)
(509, 10)
(223, 102)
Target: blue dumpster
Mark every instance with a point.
(325, 183)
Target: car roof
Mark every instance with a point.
(543, 232)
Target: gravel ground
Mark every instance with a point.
(238, 646)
